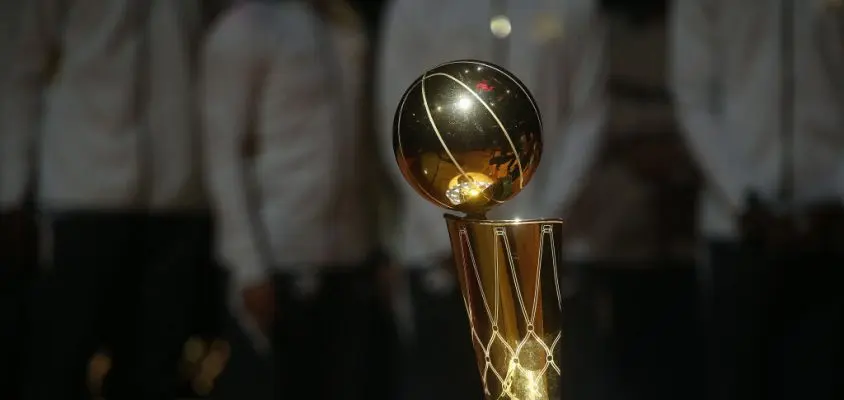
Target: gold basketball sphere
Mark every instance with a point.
(467, 136)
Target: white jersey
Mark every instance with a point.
(760, 92)
(557, 48)
(100, 102)
(286, 80)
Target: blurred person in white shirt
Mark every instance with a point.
(760, 92)
(557, 49)
(99, 122)
(283, 88)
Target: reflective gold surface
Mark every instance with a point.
(509, 276)
(467, 136)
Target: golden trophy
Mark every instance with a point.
(467, 137)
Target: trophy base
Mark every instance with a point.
(509, 275)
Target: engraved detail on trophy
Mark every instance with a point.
(509, 277)
(467, 137)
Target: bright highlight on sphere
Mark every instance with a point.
(467, 136)
(464, 104)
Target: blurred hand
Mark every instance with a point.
(259, 301)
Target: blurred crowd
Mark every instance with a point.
(199, 197)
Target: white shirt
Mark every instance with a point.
(727, 62)
(557, 49)
(280, 73)
(73, 111)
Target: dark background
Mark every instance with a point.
(638, 320)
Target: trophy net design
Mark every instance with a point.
(467, 137)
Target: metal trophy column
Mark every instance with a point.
(468, 136)
(509, 277)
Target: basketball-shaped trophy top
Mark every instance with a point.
(467, 136)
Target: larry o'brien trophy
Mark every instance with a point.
(467, 137)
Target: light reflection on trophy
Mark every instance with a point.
(467, 137)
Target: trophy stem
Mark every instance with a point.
(509, 275)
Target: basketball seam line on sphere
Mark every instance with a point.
(401, 148)
(437, 131)
(494, 116)
(515, 80)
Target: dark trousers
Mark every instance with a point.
(17, 267)
(441, 362)
(13, 290)
(634, 331)
(334, 337)
(776, 324)
(125, 280)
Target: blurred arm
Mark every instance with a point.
(230, 72)
(34, 55)
(694, 83)
(407, 51)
